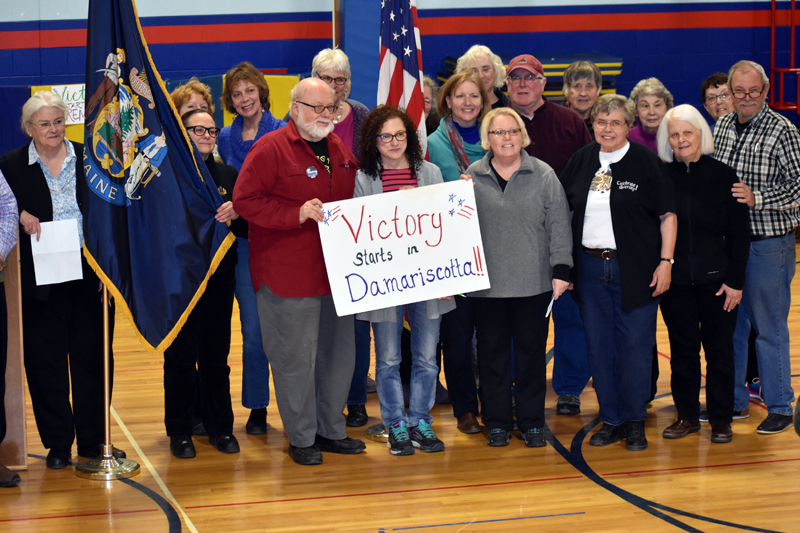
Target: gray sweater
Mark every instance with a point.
(525, 229)
(367, 185)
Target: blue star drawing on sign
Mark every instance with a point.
(452, 197)
(452, 212)
(461, 202)
(327, 217)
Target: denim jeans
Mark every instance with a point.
(766, 300)
(424, 337)
(358, 386)
(619, 343)
(255, 367)
(570, 362)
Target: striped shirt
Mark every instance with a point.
(393, 180)
(766, 157)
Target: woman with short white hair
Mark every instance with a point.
(489, 67)
(711, 254)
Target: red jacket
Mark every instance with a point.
(272, 186)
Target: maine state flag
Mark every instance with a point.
(150, 232)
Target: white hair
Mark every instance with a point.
(689, 114)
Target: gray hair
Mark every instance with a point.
(747, 65)
(39, 100)
(331, 59)
(688, 114)
(652, 87)
(611, 102)
(481, 51)
(582, 70)
(493, 114)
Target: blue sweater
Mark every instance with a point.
(231, 146)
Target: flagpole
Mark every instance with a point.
(107, 467)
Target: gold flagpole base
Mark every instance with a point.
(378, 433)
(107, 467)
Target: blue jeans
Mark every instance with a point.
(619, 343)
(570, 363)
(424, 372)
(255, 367)
(766, 299)
(358, 386)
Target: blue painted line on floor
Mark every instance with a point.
(482, 521)
(575, 457)
(173, 520)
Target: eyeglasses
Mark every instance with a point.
(752, 93)
(615, 124)
(338, 81)
(201, 130)
(722, 97)
(528, 77)
(513, 132)
(318, 109)
(387, 137)
(46, 125)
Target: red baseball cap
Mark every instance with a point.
(525, 62)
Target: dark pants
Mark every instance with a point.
(63, 339)
(358, 386)
(694, 316)
(498, 320)
(457, 329)
(196, 364)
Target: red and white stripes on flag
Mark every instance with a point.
(400, 82)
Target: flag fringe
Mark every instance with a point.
(121, 303)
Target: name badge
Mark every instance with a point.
(311, 172)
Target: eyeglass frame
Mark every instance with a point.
(533, 77)
(392, 137)
(750, 93)
(334, 80)
(614, 124)
(318, 109)
(212, 132)
(512, 132)
(714, 98)
(44, 126)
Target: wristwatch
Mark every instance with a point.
(670, 261)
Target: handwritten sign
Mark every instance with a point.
(403, 247)
(73, 96)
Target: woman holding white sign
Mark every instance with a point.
(392, 160)
(527, 240)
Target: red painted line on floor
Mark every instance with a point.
(698, 467)
(56, 517)
(382, 493)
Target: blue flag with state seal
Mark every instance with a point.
(150, 232)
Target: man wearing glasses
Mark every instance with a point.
(556, 132)
(286, 178)
(763, 148)
(716, 96)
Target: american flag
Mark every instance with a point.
(400, 82)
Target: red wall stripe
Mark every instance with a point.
(208, 33)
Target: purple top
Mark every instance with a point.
(639, 135)
(346, 130)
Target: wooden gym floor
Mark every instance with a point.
(751, 484)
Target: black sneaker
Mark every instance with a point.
(737, 415)
(425, 439)
(607, 434)
(774, 423)
(498, 437)
(534, 438)
(399, 441)
(635, 440)
(568, 404)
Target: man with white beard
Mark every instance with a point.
(287, 176)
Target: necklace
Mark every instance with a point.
(338, 117)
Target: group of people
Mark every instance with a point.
(603, 208)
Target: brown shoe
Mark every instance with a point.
(681, 428)
(468, 424)
(721, 433)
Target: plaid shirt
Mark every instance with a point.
(766, 157)
(9, 218)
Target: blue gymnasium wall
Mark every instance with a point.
(41, 41)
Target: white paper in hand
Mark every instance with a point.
(57, 253)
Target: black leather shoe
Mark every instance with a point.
(224, 443)
(8, 478)
(58, 457)
(257, 423)
(608, 434)
(356, 416)
(346, 446)
(93, 452)
(635, 440)
(310, 455)
(182, 446)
